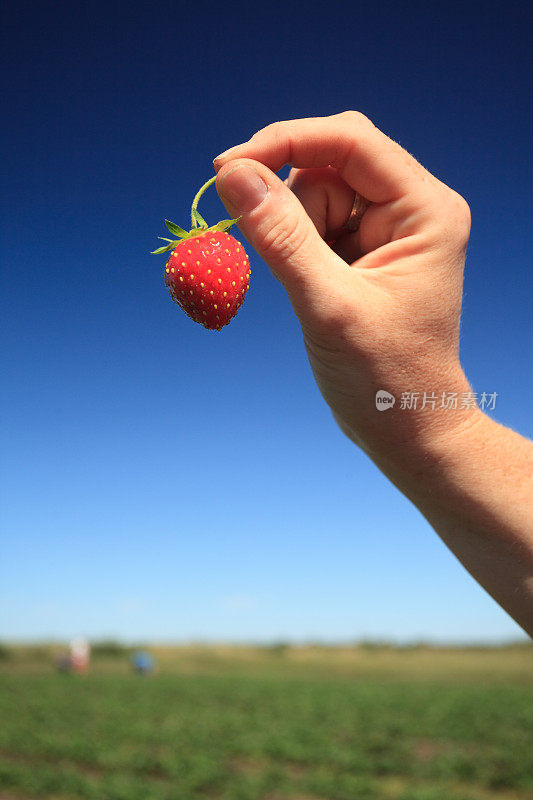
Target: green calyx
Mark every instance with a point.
(199, 225)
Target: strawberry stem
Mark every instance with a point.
(199, 225)
(197, 199)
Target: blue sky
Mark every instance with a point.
(160, 481)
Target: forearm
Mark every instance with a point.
(475, 487)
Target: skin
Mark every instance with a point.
(380, 309)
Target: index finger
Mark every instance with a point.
(370, 162)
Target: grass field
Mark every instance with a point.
(268, 724)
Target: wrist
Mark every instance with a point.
(428, 424)
(440, 454)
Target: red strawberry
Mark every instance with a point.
(208, 272)
(207, 276)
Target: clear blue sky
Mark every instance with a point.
(162, 481)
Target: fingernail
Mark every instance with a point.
(243, 188)
(225, 154)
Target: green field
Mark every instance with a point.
(268, 724)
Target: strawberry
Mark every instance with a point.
(208, 272)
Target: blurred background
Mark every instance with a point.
(164, 484)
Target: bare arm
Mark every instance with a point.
(475, 488)
(381, 310)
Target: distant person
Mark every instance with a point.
(380, 311)
(143, 663)
(80, 654)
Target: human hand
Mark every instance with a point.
(381, 309)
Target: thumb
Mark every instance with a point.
(278, 228)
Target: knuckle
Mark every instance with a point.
(273, 127)
(448, 214)
(278, 135)
(274, 130)
(460, 214)
(463, 209)
(280, 242)
(357, 118)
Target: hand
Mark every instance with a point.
(381, 309)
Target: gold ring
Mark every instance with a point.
(360, 205)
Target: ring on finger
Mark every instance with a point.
(360, 205)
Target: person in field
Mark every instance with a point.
(80, 654)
